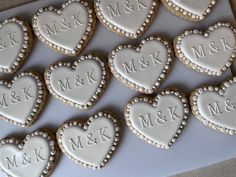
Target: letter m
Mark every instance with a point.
(129, 68)
(51, 29)
(76, 144)
(114, 11)
(215, 109)
(198, 53)
(11, 163)
(145, 121)
(64, 85)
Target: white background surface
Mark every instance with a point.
(196, 147)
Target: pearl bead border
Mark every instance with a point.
(26, 44)
(220, 90)
(45, 134)
(72, 65)
(154, 102)
(121, 32)
(177, 47)
(85, 38)
(39, 102)
(185, 14)
(85, 126)
(138, 48)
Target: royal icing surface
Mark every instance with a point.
(128, 18)
(79, 84)
(34, 156)
(211, 52)
(15, 43)
(216, 106)
(66, 30)
(142, 68)
(158, 121)
(26, 93)
(196, 10)
(92, 143)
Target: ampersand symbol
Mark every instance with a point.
(25, 160)
(14, 98)
(91, 140)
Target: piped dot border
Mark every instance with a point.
(154, 102)
(219, 90)
(187, 15)
(138, 48)
(86, 37)
(72, 65)
(39, 102)
(85, 126)
(48, 136)
(179, 53)
(122, 32)
(26, 44)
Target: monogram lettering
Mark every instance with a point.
(142, 64)
(217, 109)
(21, 160)
(91, 139)
(68, 84)
(15, 97)
(213, 48)
(8, 41)
(129, 6)
(149, 120)
(64, 24)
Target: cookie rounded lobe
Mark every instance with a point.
(90, 143)
(66, 30)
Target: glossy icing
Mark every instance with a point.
(158, 121)
(142, 68)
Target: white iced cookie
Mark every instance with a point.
(142, 67)
(66, 30)
(192, 10)
(22, 99)
(158, 120)
(211, 52)
(80, 83)
(35, 156)
(15, 43)
(126, 18)
(215, 107)
(92, 143)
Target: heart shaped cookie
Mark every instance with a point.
(35, 156)
(15, 44)
(144, 67)
(92, 143)
(66, 30)
(211, 52)
(126, 18)
(78, 84)
(215, 107)
(25, 92)
(191, 10)
(158, 120)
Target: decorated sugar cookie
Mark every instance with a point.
(15, 44)
(215, 107)
(34, 156)
(126, 18)
(92, 143)
(211, 52)
(65, 30)
(158, 120)
(22, 99)
(192, 10)
(142, 67)
(80, 83)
